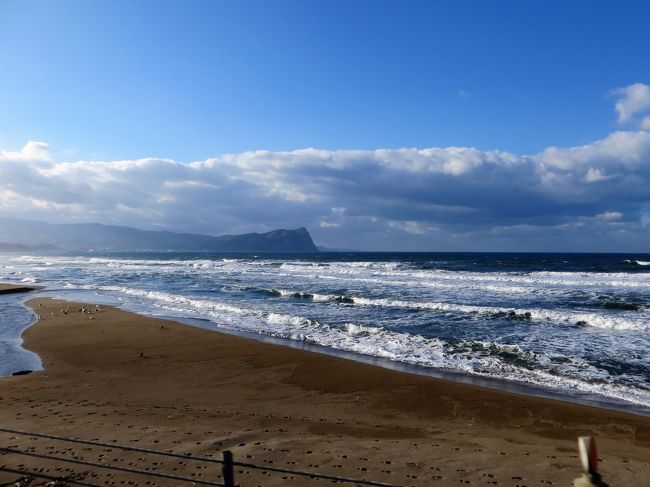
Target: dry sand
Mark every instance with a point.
(201, 392)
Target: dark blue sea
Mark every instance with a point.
(573, 325)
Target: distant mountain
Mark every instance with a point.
(15, 233)
(17, 247)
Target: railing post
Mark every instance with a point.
(228, 471)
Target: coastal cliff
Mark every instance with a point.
(17, 233)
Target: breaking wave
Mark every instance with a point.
(557, 326)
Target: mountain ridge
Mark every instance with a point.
(101, 237)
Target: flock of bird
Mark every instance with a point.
(83, 310)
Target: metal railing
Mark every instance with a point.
(227, 464)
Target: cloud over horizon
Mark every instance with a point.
(590, 197)
(632, 99)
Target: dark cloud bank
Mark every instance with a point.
(589, 198)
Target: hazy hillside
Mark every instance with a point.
(16, 233)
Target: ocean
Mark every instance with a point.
(573, 326)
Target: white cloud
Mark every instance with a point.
(384, 198)
(615, 150)
(645, 217)
(33, 151)
(409, 192)
(645, 123)
(413, 227)
(633, 99)
(610, 216)
(326, 224)
(595, 175)
(619, 164)
(414, 191)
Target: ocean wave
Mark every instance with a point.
(509, 353)
(596, 320)
(506, 282)
(296, 294)
(285, 293)
(194, 304)
(483, 359)
(386, 273)
(607, 320)
(361, 330)
(622, 305)
(499, 288)
(561, 330)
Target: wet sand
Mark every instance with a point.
(13, 288)
(117, 377)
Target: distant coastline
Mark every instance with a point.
(30, 235)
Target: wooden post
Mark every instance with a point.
(228, 471)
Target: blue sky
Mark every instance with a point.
(186, 82)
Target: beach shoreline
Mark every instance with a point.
(135, 380)
(17, 288)
(461, 377)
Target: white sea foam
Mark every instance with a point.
(158, 297)
(380, 309)
(435, 353)
(599, 320)
(280, 319)
(299, 294)
(497, 282)
(361, 330)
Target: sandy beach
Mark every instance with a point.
(117, 377)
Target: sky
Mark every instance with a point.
(378, 125)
